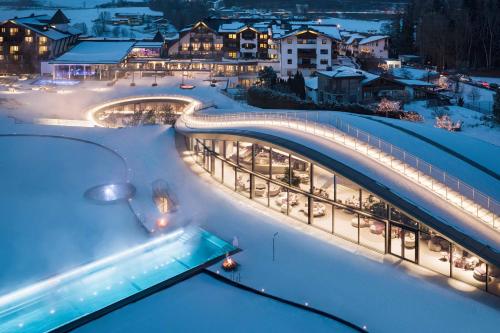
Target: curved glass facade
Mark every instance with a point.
(322, 198)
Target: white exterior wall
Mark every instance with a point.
(287, 68)
(376, 48)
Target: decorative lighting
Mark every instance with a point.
(162, 222)
(229, 264)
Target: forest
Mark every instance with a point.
(452, 34)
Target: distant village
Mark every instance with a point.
(338, 66)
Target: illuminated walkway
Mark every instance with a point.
(74, 296)
(436, 181)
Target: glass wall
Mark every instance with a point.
(323, 183)
(372, 233)
(346, 223)
(348, 193)
(311, 194)
(434, 251)
(467, 267)
(322, 215)
(280, 164)
(262, 160)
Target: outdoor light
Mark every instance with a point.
(229, 264)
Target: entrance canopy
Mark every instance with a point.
(96, 53)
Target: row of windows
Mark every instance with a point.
(234, 36)
(307, 41)
(321, 51)
(198, 46)
(321, 198)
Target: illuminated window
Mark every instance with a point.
(263, 36)
(15, 57)
(289, 41)
(13, 49)
(185, 47)
(28, 32)
(1, 39)
(207, 46)
(196, 46)
(13, 31)
(3, 29)
(232, 55)
(28, 39)
(218, 47)
(1, 57)
(263, 45)
(43, 40)
(43, 49)
(232, 36)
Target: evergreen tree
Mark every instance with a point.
(496, 106)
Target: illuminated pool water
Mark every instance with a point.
(62, 299)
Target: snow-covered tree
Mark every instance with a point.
(388, 107)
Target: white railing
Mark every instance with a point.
(448, 187)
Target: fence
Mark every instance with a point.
(438, 181)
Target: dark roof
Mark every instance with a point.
(59, 18)
(158, 37)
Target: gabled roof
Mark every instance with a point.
(158, 37)
(59, 18)
(327, 33)
(349, 72)
(371, 39)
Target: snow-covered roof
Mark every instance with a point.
(371, 39)
(353, 37)
(331, 32)
(96, 52)
(39, 25)
(415, 83)
(311, 82)
(412, 73)
(146, 44)
(231, 27)
(345, 71)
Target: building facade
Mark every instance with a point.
(26, 42)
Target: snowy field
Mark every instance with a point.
(486, 79)
(202, 304)
(312, 266)
(355, 25)
(81, 15)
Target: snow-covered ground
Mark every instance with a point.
(486, 79)
(81, 15)
(312, 266)
(473, 125)
(202, 304)
(354, 25)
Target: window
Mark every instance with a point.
(13, 49)
(289, 61)
(263, 45)
(196, 46)
(42, 49)
(13, 31)
(263, 36)
(323, 51)
(3, 29)
(1, 57)
(1, 39)
(324, 61)
(232, 36)
(289, 41)
(43, 40)
(28, 32)
(274, 56)
(185, 47)
(323, 41)
(28, 39)
(218, 47)
(289, 51)
(15, 57)
(232, 55)
(207, 46)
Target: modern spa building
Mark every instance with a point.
(329, 193)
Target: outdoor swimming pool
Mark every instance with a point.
(57, 301)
